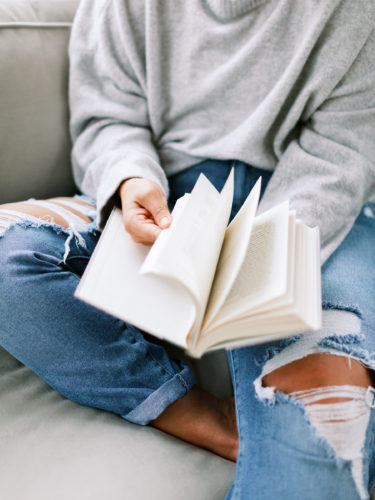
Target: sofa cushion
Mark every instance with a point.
(54, 448)
(34, 135)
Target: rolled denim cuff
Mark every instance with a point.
(175, 388)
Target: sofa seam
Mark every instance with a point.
(33, 25)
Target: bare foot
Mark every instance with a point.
(204, 420)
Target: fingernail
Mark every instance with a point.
(164, 222)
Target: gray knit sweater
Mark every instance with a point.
(285, 85)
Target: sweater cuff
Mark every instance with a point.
(107, 196)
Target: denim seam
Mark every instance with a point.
(183, 381)
(240, 444)
(366, 454)
(134, 415)
(371, 438)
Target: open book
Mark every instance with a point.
(205, 285)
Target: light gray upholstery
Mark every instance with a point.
(51, 447)
(34, 138)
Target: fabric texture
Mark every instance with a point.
(34, 134)
(157, 86)
(51, 446)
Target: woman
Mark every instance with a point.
(159, 92)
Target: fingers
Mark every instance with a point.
(141, 228)
(153, 200)
(145, 209)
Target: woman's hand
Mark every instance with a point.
(144, 208)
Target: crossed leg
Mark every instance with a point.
(198, 417)
(203, 419)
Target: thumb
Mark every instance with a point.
(156, 203)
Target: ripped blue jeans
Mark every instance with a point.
(289, 448)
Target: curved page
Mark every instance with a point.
(189, 250)
(263, 276)
(236, 242)
(112, 282)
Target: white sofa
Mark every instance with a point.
(51, 447)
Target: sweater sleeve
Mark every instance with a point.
(111, 134)
(327, 172)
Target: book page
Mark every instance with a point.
(263, 274)
(236, 241)
(286, 299)
(190, 248)
(112, 283)
(300, 314)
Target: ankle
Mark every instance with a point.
(204, 420)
